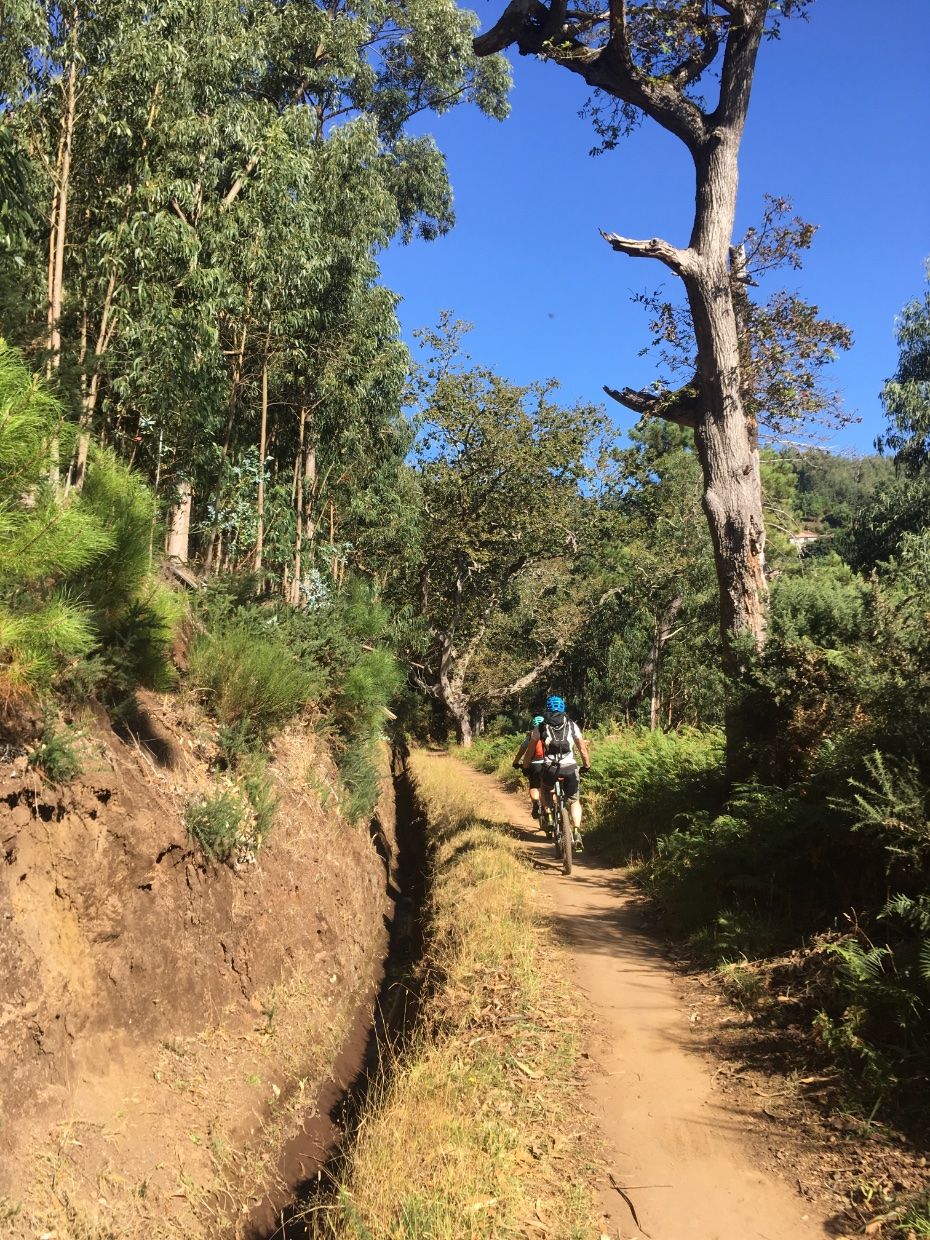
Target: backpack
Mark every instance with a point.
(555, 732)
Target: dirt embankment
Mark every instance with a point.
(166, 1022)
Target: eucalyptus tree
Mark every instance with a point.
(216, 180)
(503, 473)
(651, 60)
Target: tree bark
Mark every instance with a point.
(60, 220)
(180, 524)
(725, 436)
(262, 443)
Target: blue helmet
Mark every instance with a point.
(555, 703)
(537, 720)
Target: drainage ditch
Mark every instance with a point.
(382, 1023)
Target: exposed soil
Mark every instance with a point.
(706, 1135)
(312, 1158)
(166, 1022)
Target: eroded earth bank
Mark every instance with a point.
(169, 1022)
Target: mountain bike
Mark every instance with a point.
(557, 823)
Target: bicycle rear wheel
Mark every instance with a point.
(566, 841)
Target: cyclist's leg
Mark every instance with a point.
(570, 785)
(547, 780)
(534, 775)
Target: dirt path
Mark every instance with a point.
(689, 1161)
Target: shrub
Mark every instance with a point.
(134, 613)
(259, 791)
(57, 753)
(641, 784)
(218, 823)
(252, 683)
(78, 599)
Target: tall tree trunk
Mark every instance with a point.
(262, 442)
(180, 524)
(726, 438)
(59, 227)
(91, 386)
(463, 728)
(232, 403)
(656, 659)
(724, 435)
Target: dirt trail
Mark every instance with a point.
(689, 1160)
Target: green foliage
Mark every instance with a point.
(218, 823)
(641, 782)
(892, 804)
(899, 507)
(235, 821)
(57, 753)
(825, 605)
(250, 680)
(258, 665)
(831, 488)
(258, 788)
(501, 473)
(78, 600)
(251, 180)
(134, 613)
(915, 1219)
(44, 540)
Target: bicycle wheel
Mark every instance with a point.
(566, 840)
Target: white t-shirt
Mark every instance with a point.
(563, 760)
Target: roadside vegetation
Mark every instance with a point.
(474, 1129)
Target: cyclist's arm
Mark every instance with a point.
(583, 749)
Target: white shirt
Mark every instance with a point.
(565, 759)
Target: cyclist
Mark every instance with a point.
(529, 759)
(559, 736)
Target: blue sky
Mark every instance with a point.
(839, 123)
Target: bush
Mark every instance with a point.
(252, 683)
(259, 664)
(258, 789)
(218, 823)
(57, 753)
(79, 602)
(43, 628)
(641, 783)
(134, 613)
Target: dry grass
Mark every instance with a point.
(474, 1132)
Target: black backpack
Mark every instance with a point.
(555, 732)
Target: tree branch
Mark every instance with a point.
(683, 407)
(524, 682)
(745, 34)
(680, 261)
(508, 29)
